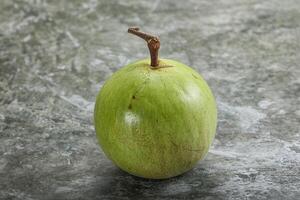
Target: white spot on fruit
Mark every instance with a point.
(191, 93)
(131, 118)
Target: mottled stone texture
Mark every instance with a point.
(55, 56)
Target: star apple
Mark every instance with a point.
(155, 118)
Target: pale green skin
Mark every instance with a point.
(155, 123)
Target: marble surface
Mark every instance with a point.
(55, 56)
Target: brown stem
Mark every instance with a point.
(152, 41)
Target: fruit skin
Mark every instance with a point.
(155, 122)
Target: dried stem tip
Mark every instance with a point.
(152, 41)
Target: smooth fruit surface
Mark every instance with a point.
(155, 123)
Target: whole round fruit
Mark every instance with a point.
(155, 118)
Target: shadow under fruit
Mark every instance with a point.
(155, 118)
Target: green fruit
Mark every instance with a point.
(155, 122)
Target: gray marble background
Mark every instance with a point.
(55, 56)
